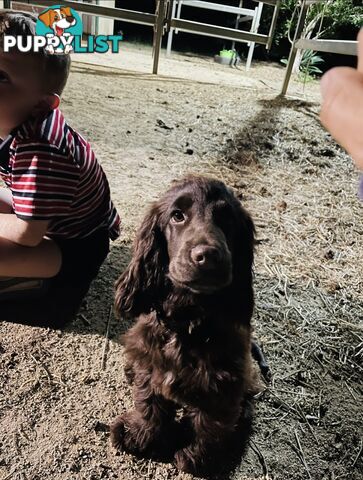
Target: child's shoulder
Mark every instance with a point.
(51, 130)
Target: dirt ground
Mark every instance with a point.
(59, 389)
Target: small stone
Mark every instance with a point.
(329, 255)
(281, 206)
(162, 124)
(264, 192)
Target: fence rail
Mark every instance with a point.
(131, 16)
(346, 47)
(162, 21)
(343, 47)
(217, 7)
(218, 32)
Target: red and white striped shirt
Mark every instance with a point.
(53, 175)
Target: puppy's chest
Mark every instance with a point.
(185, 369)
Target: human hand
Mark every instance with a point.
(342, 107)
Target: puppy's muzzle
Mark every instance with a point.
(205, 257)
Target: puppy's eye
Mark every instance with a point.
(177, 216)
(4, 78)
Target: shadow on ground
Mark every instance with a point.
(125, 74)
(257, 138)
(61, 306)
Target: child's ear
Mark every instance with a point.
(49, 101)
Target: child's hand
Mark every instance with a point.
(342, 108)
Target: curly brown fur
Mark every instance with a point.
(189, 284)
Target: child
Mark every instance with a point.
(56, 215)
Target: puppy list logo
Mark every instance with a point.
(59, 31)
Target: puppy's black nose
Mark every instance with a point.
(205, 256)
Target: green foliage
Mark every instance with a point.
(287, 11)
(336, 14)
(340, 13)
(309, 62)
(341, 20)
(308, 65)
(227, 53)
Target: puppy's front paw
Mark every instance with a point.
(117, 429)
(133, 435)
(124, 434)
(186, 461)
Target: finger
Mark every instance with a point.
(342, 109)
(360, 51)
(332, 81)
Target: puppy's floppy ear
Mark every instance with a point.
(47, 17)
(243, 255)
(139, 287)
(244, 243)
(67, 11)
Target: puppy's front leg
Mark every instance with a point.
(147, 430)
(129, 373)
(209, 432)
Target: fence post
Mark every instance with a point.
(273, 24)
(158, 33)
(171, 15)
(293, 51)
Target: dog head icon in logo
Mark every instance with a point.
(58, 19)
(61, 22)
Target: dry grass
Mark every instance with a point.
(298, 184)
(59, 389)
(302, 191)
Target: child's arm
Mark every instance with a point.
(44, 182)
(27, 233)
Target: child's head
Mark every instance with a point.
(30, 83)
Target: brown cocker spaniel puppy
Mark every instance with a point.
(189, 284)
